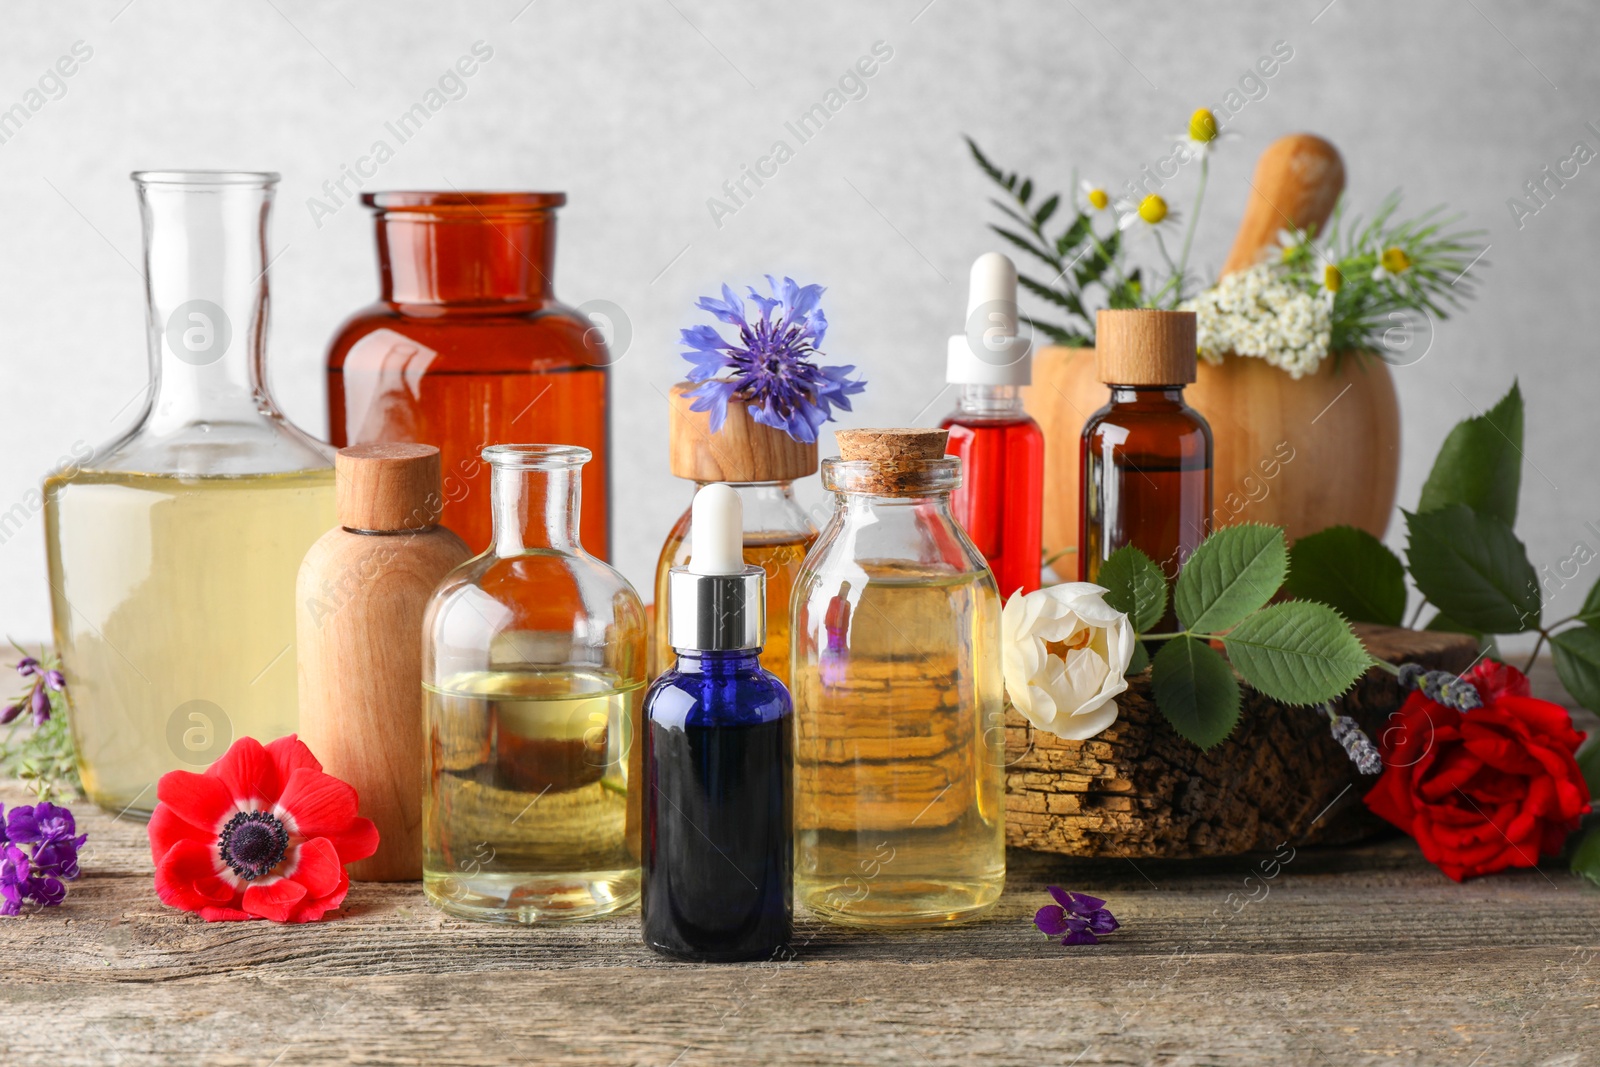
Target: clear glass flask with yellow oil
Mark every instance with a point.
(173, 550)
(899, 702)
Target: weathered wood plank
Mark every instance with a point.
(1362, 955)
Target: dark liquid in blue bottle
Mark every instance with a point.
(719, 845)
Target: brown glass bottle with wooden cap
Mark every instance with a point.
(359, 603)
(762, 464)
(1146, 455)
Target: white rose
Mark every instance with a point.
(1065, 653)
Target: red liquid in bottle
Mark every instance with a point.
(1001, 499)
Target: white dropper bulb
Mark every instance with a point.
(992, 287)
(716, 544)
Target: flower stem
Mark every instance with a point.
(1194, 221)
(1167, 637)
(1537, 645)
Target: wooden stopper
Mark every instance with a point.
(1134, 346)
(742, 451)
(388, 488)
(899, 457)
(1297, 183)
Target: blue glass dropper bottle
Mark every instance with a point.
(719, 828)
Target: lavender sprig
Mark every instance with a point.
(1441, 687)
(771, 367)
(1357, 745)
(42, 755)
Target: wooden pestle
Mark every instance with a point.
(1297, 183)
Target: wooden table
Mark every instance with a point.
(1364, 955)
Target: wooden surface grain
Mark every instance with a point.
(1363, 955)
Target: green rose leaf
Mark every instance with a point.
(1195, 690)
(1233, 572)
(1350, 571)
(1134, 586)
(1590, 612)
(1473, 569)
(1589, 764)
(1297, 652)
(1577, 654)
(1480, 463)
(1586, 858)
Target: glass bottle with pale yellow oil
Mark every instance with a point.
(898, 697)
(761, 463)
(533, 667)
(173, 551)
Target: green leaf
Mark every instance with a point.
(1044, 292)
(1026, 191)
(1068, 338)
(1480, 463)
(1586, 858)
(1195, 690)
(1134, 586)
(1589, 764)
(1138, 661)
(1046, 209)
(1297, 652)
(1590, 612)
(983, 162)
(1577, 653)
(1024, 244)
(1472, 567)
(1351, 571)
(1074, 235)
(1233, 572)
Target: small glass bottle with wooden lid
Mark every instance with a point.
(761, 463)
(899, 729)
(1146, 455)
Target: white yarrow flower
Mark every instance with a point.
(1260, 313)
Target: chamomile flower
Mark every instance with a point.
(1097, 197)
(1393, 263)
(1332, 278)
(1151, 211)
(1203, 133)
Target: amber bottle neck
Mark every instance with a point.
(1151, 397)
(486, 258)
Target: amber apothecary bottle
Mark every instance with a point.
(898, 701)
(762, 463)
(467, 346)
(1146, 455)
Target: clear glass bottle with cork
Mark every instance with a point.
(899, 730)
(761, 463)
(1146, 455)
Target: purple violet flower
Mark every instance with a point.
(27, 666)
(38, 877)
(772, 364)
(1076, 918)
(55, 680)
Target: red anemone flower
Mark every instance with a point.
(262, 834)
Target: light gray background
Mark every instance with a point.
(640, 110)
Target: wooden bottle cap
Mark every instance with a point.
(1135, 346)
(742, 451)
(388, 488)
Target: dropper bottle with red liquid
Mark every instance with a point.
(1001, 499)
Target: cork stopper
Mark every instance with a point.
(389, 488)
(901, 459)
(742, 451)
(1134, 346)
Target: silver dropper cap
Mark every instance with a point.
(717, 603)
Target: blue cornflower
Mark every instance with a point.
(37, 877)
(1076, 918)
(773, 362)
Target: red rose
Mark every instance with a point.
(262, 834)
(1487, 789)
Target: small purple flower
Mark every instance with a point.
(1076, 918)
(27, 666)
(12, 711)
(38, 877)
(55, 680)
(41, 706)
(772, 364)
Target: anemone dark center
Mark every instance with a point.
(252, 843)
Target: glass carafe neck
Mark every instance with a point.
(485, 249)
(535, 496)
(205, 255)
(1153, 397)
(989, 401)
